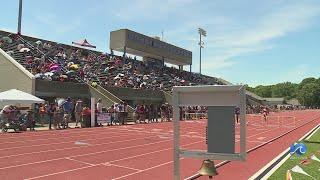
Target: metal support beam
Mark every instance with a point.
(176, 137)
(20, 17)
(200, 42)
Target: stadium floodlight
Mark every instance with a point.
(203, 33)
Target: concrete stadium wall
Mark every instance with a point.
(137, 95)
(14, 76)
(49, 89)
(45, 88)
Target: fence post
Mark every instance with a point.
(93, 112)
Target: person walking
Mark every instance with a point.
(42, 110)
(77, 111)
(237, 113)
(112, 112)
(98, 110)
(57, 117)
(30, 120)
(67, 108)
(50, 112)
(121, 113)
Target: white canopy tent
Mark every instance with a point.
(14, 96)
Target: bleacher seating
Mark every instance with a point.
(58, 62)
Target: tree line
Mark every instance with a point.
(307, 91)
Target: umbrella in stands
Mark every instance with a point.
(20, 46)
(24, 50)
(39, 75)
(74, 67)
(6, 39)
(49, 74)
(84, 43)
(55, 67)
(71, 72)
(10, 53)
(64, 76)
(15, 96)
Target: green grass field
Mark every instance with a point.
(313, 168)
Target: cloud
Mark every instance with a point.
(274, 25)
(230, 36)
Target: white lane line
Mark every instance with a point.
(131, 157)
(261, 138)
(121, 177)
(80, 155)
(61, 172)
(80, 161)
(65, 137)
(75, 147)
(124, 167)
(110, 163)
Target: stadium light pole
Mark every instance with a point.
(19, 17)
(203, 33)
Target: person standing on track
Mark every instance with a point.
(265, 113)
(237, 113)
(57, 117)
(67, 108)
(112, 112)
(77, 111)
(50, 111)
(42, 110)
(98, 111)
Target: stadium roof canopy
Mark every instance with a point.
(131, 42)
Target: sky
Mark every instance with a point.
(248, 41)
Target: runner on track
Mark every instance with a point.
(265, 113)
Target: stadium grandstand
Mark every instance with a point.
(53, 70)
(74, 110)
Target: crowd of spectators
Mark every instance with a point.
(61, 112)
(59, 62)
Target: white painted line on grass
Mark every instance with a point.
(276, 158)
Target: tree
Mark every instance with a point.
(307, 91)
(263, 91)
(286, 90)
(308, 94)
(307, 81)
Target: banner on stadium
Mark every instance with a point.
(103, 118)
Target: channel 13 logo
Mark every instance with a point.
(298, 148)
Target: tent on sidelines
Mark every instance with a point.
(14, 96)
(84, 43)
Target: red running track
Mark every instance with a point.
(142, 151)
